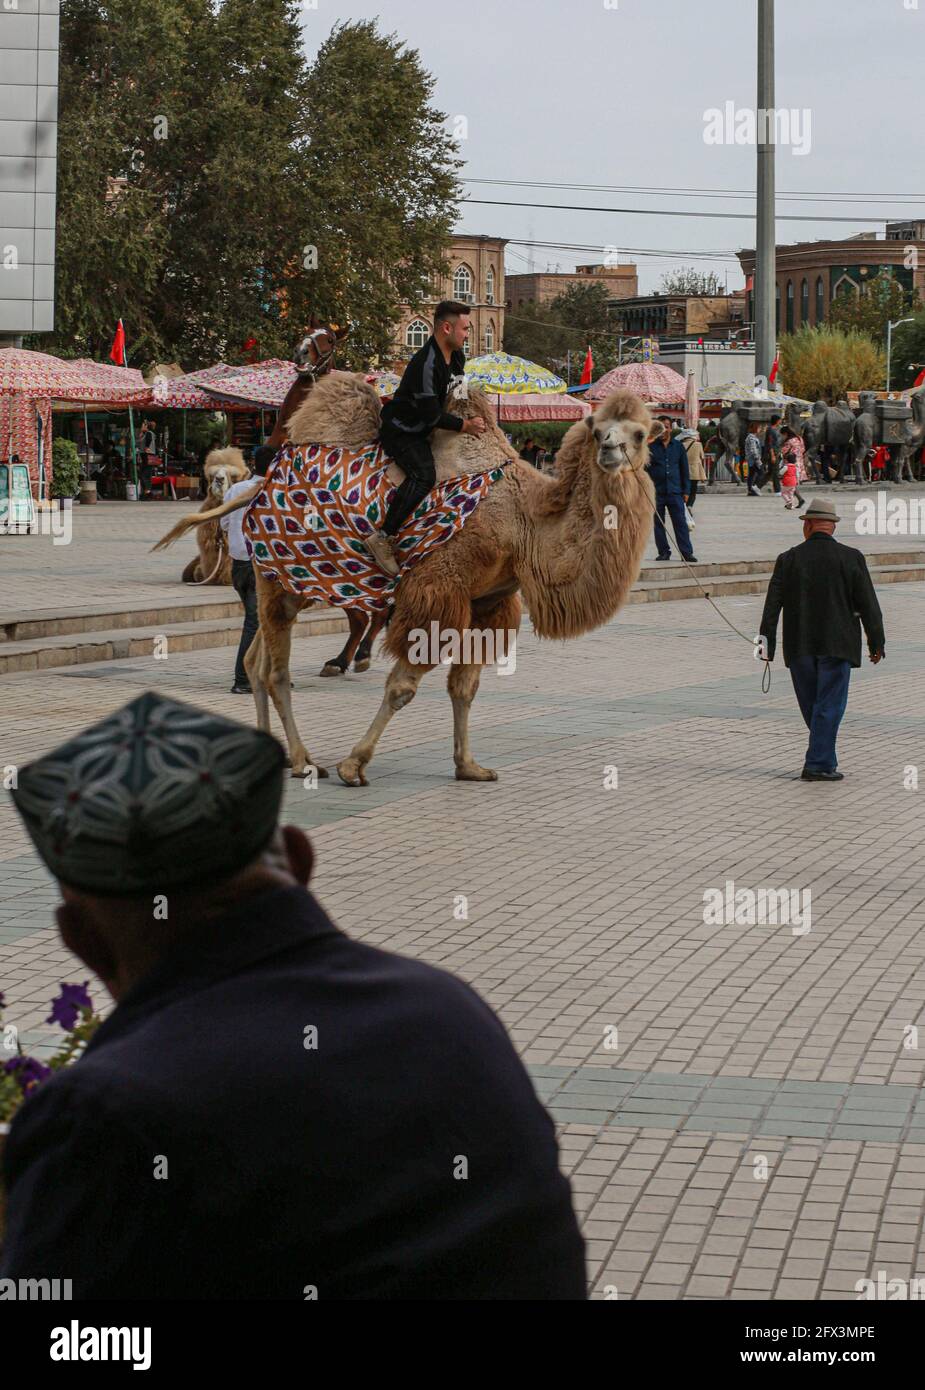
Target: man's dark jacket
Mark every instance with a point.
(668, 469)
(209, 1144)
(823, 588)
(417, 406)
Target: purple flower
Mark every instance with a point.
(28, 1071)
(66, 1009)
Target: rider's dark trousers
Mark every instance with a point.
(415, 458)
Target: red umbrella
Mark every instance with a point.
(660, 385)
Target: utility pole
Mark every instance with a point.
(765, 241)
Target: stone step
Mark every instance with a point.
(720, 586)
(674, 569)
(44, 653)
(22, 627)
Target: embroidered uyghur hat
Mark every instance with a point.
(158, 795)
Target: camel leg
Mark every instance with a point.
(278, 611)
(337, 665)
(400, 689)
(257, 667)
(462, 685)
(365, 649)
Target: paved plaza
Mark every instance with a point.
(740, 1106)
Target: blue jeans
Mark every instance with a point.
(821, 685)
(682, 535)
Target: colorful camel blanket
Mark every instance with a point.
(307, 527)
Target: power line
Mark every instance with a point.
(629, 250)
(683, 192)
(667, 212)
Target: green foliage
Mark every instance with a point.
(883, 301)
(549, 433)
(908, 356)
(65, 468)
(689, 280)
(548, 333)
(826, 363)
(200, 155)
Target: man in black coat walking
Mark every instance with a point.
(272, 1110)
(824, 588)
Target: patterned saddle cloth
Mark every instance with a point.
(307, 527)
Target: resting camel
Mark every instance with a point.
(572, 544)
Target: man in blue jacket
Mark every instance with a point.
(667, 467)
(273, 1110)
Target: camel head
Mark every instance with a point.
(622, 429)
(314, 355)
(222, 468)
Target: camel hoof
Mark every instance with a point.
(351, 773)
(306, 768)
(361, 665)
(330, 668)
(471, 772)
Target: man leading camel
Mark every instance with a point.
(413, 413)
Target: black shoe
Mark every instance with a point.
(241, 688)
(809, 776)
(663, 557)
(753, 492)
(691, 559)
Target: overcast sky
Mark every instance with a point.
(571, 91)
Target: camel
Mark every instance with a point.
(571, 544)
(910, 450)
(213, 563)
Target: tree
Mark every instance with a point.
(384, 187)
(689, 280)
(827, 363)
(204, 168)
(882, 301)
(908, 357)
(577, 317)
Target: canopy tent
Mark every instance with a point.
(499, 372)
(30, 381)
(652, 383)
(733, 391)
(516, 407)
(256, 386)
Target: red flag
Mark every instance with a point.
(920, 379)
(773, 377)
(117, 351)
(587, 369)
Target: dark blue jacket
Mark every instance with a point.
(202, 1149)
(668, 469)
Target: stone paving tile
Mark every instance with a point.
(736, 1043)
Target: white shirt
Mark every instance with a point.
(232, 522)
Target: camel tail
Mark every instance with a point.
(189, 522)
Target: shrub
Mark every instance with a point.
(827, 363)
(65, 468)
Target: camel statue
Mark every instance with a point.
(829, 428)
(213, 563)
(910, 450)
(865, 432)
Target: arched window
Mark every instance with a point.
(789, 306)
(462, 283)
(804, 301)
(820, 299)
(845, 285)
(416, 334)
(777, 308)
(490, 336)
(490, 285)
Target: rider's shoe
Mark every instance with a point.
(382, 549)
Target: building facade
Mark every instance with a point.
(681, 315)
(811, 273)
(540, 287)
(475, 276)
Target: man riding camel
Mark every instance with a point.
(413, 412)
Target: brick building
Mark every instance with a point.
(681, 315)
(539, 287)
(811, 273)
(475, 276)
